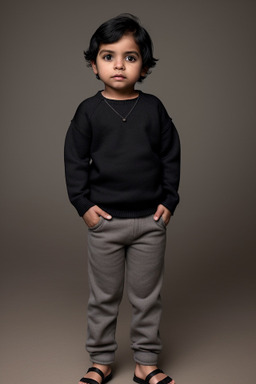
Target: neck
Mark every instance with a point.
(115, 95)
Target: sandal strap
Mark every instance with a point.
(153, 373)
(107, 378)
(88, 381)
(166, 380)
(138, 380)
(97, 370)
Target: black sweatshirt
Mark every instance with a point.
(126, 168)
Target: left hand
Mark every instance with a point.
(164, 212)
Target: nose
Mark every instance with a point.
(119, 63)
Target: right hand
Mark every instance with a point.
(92, 216)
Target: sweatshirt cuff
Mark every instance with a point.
(171, 203)
(82, 206)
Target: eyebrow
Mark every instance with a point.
(126, 53)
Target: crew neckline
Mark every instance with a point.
(120, 100)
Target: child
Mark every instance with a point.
(122, 162)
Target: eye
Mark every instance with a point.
(130, 58)
(107, 57)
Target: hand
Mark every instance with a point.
(92, 216)
(164, 212)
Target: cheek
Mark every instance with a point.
(103, 67)
(135, 68)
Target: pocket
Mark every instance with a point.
(164, 223)
(161, 223)
(98, 225)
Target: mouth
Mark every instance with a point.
(118, 77)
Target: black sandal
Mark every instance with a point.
(97, 370)
(166, 380)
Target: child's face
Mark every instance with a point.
(119, 65)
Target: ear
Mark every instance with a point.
(94, 67)
(144, 72)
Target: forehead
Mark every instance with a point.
(127, 43)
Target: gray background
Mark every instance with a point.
(206, 79)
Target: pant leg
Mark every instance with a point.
(145, 264)
(106, 266)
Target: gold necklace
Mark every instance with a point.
(124, 118)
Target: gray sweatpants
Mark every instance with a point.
(136, 246)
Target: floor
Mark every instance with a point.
(208, 337)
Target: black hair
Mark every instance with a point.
(113, 30)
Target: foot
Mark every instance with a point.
(141, 371)
(106, 370)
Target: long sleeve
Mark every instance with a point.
(170, 159)
(77, 159)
